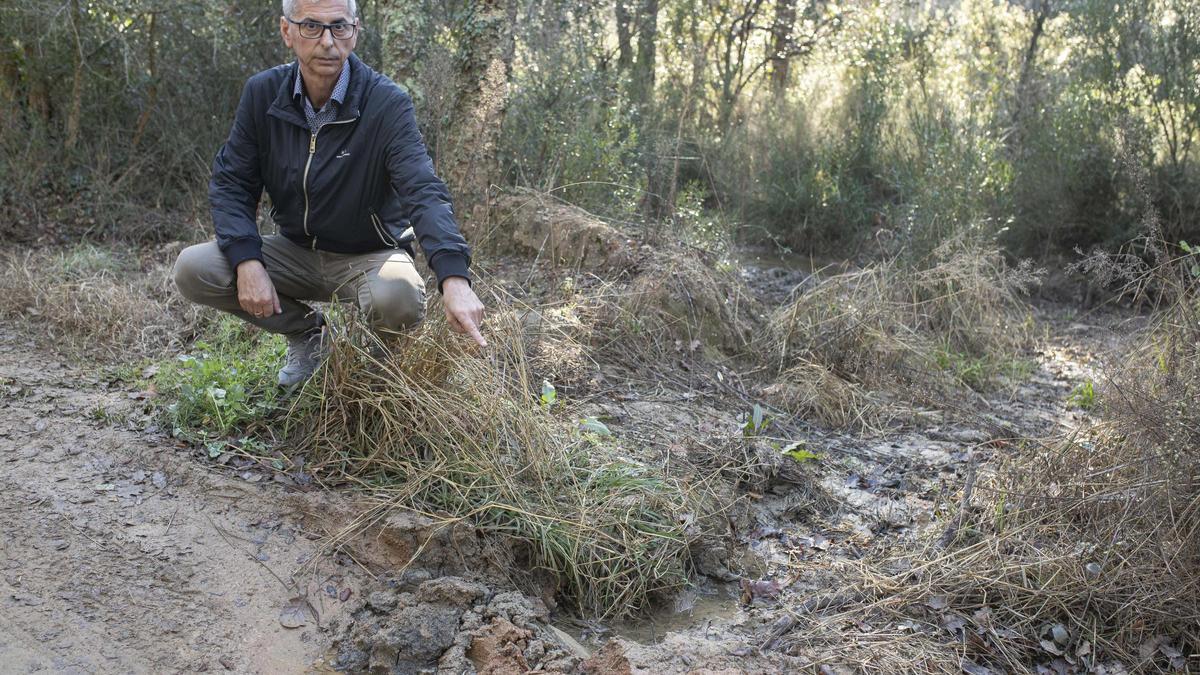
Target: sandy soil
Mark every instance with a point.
(119, 553)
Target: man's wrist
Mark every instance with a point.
(452, 281)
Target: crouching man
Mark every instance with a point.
(337, 148)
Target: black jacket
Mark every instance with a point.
(354, 186)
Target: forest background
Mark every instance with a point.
(829, 128)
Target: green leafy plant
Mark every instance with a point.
(1083, 395)
(797, 452)
(756, 422)
(1193, 268)
(549, 395)
(594, 426)
(223, 385)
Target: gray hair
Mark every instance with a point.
(289, 7)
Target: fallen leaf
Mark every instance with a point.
(296, 613)
(938, 603)
(754, 590)
(159, 479)
(1050, 647)
(971, 668)
(954, 623)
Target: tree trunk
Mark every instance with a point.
(468, 158)
(624, 37)
(1022, 93)
(76, 110)
(152, 90)
(643, 73)
(38, 89)
(657, 203)
(781, 45)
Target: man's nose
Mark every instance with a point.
(327, 38)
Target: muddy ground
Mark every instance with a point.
(122, 550)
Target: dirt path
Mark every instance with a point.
(121, 554)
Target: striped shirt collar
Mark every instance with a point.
(328, 112)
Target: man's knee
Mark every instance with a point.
(200, 271)
(395, 304)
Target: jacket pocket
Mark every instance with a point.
(381, 232)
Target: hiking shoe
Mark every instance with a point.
(304, 353)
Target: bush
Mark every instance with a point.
(854, 345)
(98, 300)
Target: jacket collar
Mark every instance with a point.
(284, 106)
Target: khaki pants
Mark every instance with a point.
(385, 285)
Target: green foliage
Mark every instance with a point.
(1083, 395)
(756, 422)
(798, 453)
(891, 125)
(157, 85)
(594, 426)
(224, 385)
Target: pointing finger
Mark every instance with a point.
(473, 331)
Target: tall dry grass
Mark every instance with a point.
(98, 300)
(1074, 554)
(422, 422)
(857, 348)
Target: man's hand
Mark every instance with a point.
(464, 311)
(256, 293)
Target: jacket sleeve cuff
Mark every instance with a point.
(449, 264)
(241, 250)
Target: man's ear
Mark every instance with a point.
(283, 30)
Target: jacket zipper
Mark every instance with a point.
(312, 150)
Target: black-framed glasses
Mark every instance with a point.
(313, 30)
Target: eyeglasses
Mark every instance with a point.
(313, 30)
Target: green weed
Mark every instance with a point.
(981, 372)
(223, 385)
(1083, 396)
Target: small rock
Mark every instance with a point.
(382, 601)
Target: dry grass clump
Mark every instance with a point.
(1080, 555)
(1084, 552)
(94, 299)
(857, 345)
(680, 299)
(424, 423)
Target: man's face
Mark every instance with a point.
(322, 56)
